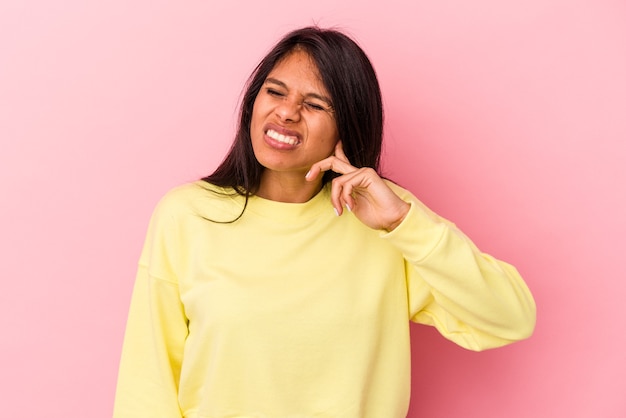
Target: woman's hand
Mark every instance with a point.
(361, 191)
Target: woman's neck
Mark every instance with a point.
(287, 187)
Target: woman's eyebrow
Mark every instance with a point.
(313, 95)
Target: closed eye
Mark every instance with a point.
(273, 92)
(314, 106)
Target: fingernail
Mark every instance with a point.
(336, 211)
(348, 207)
(308, 173)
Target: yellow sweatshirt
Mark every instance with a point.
(293, 312)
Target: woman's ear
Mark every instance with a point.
(339, 152)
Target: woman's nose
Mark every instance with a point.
(289, 110)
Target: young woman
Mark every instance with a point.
(282, 285)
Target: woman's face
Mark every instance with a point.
(293, 124)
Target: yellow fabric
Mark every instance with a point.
(293, 312)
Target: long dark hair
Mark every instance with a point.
(351, 82)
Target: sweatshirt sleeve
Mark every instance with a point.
(156, 330)
(472, 299)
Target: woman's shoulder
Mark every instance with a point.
(409, 197)
(199, 198)
(404, 194)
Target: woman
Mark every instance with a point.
(282, 285)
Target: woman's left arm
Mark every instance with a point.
(472, 298)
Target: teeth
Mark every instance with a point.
(281, 138)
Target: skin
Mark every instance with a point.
(294, 102)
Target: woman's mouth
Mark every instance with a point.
(285, 139)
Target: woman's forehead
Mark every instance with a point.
(297, 67)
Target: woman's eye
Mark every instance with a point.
(273, 92)
(314, 106)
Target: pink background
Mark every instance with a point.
(507, 117)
